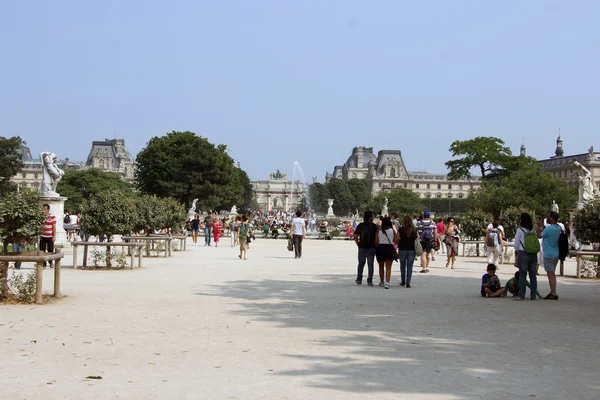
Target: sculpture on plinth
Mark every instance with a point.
(384, 209)
(193, 207)
(51, 174)
(586, 186)
(233, 210)
(330, 213)
(554, 207)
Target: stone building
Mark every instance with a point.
(278, 193)
(386, 171)
(561, 166)
(111, 155)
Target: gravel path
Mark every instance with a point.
(205, 325)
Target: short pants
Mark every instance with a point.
(550, 264)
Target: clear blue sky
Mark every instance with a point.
(279, 81)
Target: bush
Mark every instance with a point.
(510, 220)
(335, 233)
(23, 288)
(474, 223)
(586, 223)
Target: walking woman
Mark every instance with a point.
(244, 233)
(526, 253)
(406, 249)
(217, 230)
(451, 242)
(195, 228)
(386, 252)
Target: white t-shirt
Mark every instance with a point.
(500, 227)
(73, 220)
(298, 224)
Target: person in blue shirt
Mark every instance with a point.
(490, 283)
(551, 235)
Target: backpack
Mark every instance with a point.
(67, 219)
(492, 239)
(244, 231)
(530, 243)
(563, 246)
(427, 232)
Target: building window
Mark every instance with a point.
(379, 184)
(393, 172)
(101, 164)
(460, 187)
(24, 175)
(449, 195)
(460, 196)
(438, 196)
(428, 196)
(405, 185)
(439, 186)
(428, 186)
(417, 186)
(449, 186)
(35, 175)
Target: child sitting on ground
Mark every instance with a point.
(512, 286)
(490, 283)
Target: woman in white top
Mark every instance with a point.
(386, 251)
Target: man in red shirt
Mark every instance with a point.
(48, 235)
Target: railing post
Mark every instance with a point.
(57, 278)
(39, 274)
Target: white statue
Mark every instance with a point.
(193, 207)
(586, 186)
(554, 207)
(384, 210)
(233, 210)
(330, 210)
(51, 174)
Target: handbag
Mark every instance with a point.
(290, 245)
(418, 247)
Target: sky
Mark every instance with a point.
(306, 81)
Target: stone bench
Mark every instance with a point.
(580, 254)
(38, 258)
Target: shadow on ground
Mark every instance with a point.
(440, 337)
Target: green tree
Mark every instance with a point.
(154, 213)
(445, 206)
(340, 193)
(400, 201)
(185, 166)
(110, 213)
(487, 154)
(509, 219)
(360, 193)
(319, 194)
(529, 188)
(12, 162)
(81, 184)
(21, 218)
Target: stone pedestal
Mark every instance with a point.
(330, 210)
(57, 208)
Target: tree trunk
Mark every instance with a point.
(4, 274)
(108, 255)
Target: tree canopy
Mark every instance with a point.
(79, 185)
(487, 154)
(400, 201)
(528, 188)
(185, 166)
(12, 162)
(343, 199)
(318, 194)
(360, 193)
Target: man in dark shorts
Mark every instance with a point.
(364, 237)
(428, 233)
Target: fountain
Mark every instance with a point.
(298, 169)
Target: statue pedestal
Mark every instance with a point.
(190, 215)
(384, 211)
(57, 208)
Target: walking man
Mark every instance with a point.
(298, 233)
(208, 222)
(364, 237)
(48, 235)
(550, 236)
(428, 233)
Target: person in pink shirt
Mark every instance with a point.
(441, 230)
(217, 227)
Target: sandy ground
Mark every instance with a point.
(205, 325)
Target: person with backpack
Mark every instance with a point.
(364, 237)
(527, 247)
(494, 241)
(551, 235)
(245, 233)
(428, 234)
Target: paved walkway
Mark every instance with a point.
(205, 325)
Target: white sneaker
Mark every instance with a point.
(387, 285)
